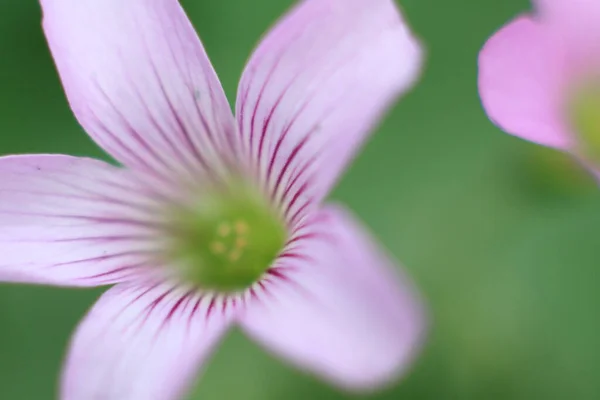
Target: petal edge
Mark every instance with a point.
(521, 80)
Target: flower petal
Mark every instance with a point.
(139, 81)
(578, 24)
(522, 78)
(141, 342)
(335, 306)
(315, 87)
(571, 12)
(72, 221)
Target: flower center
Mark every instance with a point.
(227, 241)
(585, 119)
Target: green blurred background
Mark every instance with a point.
(501, 235)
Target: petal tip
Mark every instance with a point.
(520, 81)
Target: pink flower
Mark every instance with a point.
(539, 77)
(214, 220)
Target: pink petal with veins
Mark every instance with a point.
(74, 222)
(142, 341)
(140, 83)
(315, 87)
(337, 305)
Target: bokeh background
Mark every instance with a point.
(502, 236)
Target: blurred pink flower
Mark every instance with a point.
(539, 77)
(215, 219)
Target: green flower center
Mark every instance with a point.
(585, 119)
(227, 241)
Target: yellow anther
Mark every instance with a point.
(241, 227)
(240, 242)
(217, 247)
(235, 255)
(224, 229)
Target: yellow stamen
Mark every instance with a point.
(240, 242)
(241, 227)
(235, 255)
(224, 229)
(217, 247)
